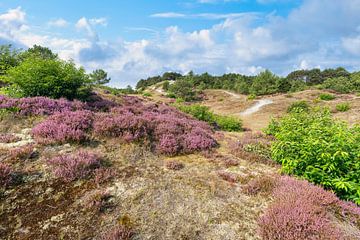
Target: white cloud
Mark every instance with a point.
(168, 15)
(58, 23)
(99, 21)
(84, 24)
(211, 16)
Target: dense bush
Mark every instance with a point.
(343, 107)
(54, 78)
(203, 113)
(326, 96)
(303, 211)
(64, 127)
(340, 84)
(299, 106)
(320, 149)
(70, 167)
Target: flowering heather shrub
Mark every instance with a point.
(170, 131)
(64, 127)
(119, 233)
(5, 174)
(39, 105)
(23, 152)
(174, 165)
(303, 211)
(228, 176)
(8, 138)
(70, 167)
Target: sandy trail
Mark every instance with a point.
(232, 94)
(256, 107)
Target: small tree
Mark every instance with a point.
(99, 77)
(54, 78)
(40, 52)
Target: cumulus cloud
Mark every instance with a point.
(58, 23)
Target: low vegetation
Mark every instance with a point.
(343, 107)
(326, 97)
(324, 151)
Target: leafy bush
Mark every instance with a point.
(320, 149)
(47, 77)
(326, 96)
(340, 84)
(70, 167)
(343, 107)
(64, 127)
(203, 113)
(299, 106)
(184, 89)
(147, 94)
(251, 97)
(303, 211)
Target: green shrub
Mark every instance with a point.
(326, 96)
(340, 84)
(228, 123)
(147, 94)
(324, 151)
(251, 97)
(343, 107)
(299, 106)
(170, 95)
(203, 113)
(48, 77)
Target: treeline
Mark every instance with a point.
(264, 83)
(38, 71)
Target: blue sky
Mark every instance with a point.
(138, 38)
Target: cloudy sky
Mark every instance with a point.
(133, 39)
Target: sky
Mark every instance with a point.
(134, 39)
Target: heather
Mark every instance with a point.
(8, 138)
(5, 174)
(64, 127)
(301, 210)
(320, 149)
(69, 167)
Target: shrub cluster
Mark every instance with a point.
(203, 113)
(343, 107)
(299, 106)
(64, 127)
(320, 149)
(169, 131)
(22, 153)
(70, 167)
(164, 128)
(301, 210)
(326, 96)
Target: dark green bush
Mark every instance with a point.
(326, 96)
(299, 106)
(48, 77)
(340, 84)
(203, 113)
(324, 151)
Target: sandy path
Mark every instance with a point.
(256, 107)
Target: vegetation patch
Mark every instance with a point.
(343, 107)
(326, 97)
(324, 151)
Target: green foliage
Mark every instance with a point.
(166, 85)
(326, 96)
(118, 91)
(322, 150)
(340, 84)
(265, 83)
(251, 97)
(99, 77)
(184, 89)
(40, 52)
(9, 58)
(299, 106)
(54, 78)
(147, 94)
(226, 123)
(343, 107)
